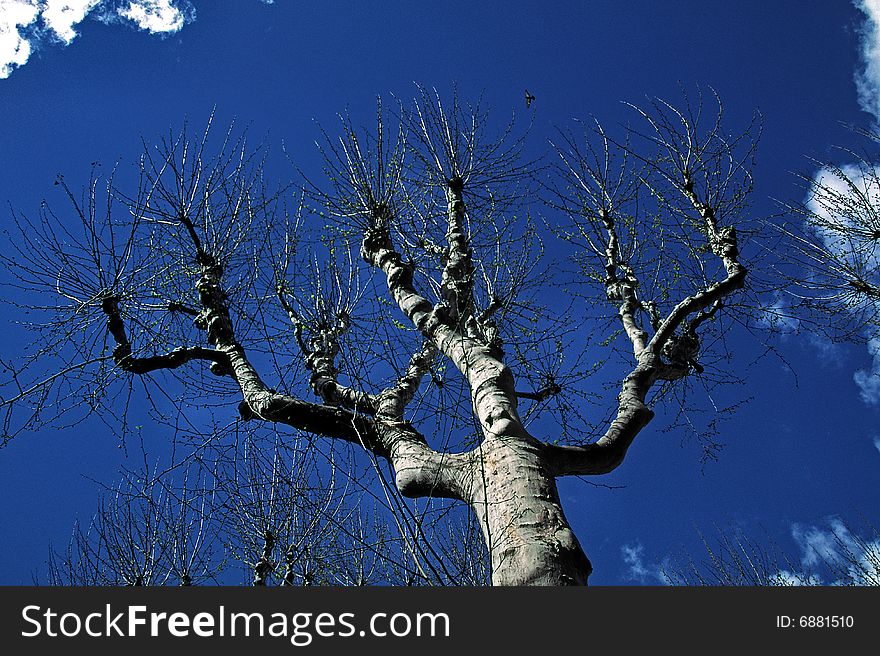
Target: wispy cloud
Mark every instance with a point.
(26, 26)
(817, 545)
(786, 578)
(778, 317)
(633, 557)
(868, 380)
(830, 552)
(828, 351)
(843, 557)
(877, 442)
(868, 76)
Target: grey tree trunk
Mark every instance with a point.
(517, 504)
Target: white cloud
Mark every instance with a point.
(877, 442)
(61, 16)
(15, 49)
(633, 556)
(27, 25)
(847, 558)
(23, 23)
(786, 578)
(837, 198)
(777, 317)
(835, 203)
(817, 546)
(828, 351)
(154, 16)
(868, 380)
(868, 77)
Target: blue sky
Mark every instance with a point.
(85, 83)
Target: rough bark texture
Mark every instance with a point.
(515, 499)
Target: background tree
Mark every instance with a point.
(827, 258)
(840, 556)
(830, 259)
(401, 292)
(145, 532)
(245, 512)
(827, 285)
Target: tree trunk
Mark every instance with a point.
(515, 498)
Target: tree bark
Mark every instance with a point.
(515, 499)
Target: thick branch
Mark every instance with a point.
(321, 362)
(229, 358)
(122, 353)
(393, 401)
(265, 565)
(171, 360)
(174, 306)
(490, 380)
(865, 288)
(294, 318)
(609, 451)
(320, 356)
(261, 402)
(419, 469)
(551, 389)
(378, 251)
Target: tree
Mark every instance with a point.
(243, 512)
(402, 292)
(144, 533)
(831, 256)
(839, 556)
(827, 259)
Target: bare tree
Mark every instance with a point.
(403, 292)
(826, 269)
(831, 256)
(240, 512)
(842, 557)
(146, 532)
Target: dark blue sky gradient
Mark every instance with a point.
(802, 450)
